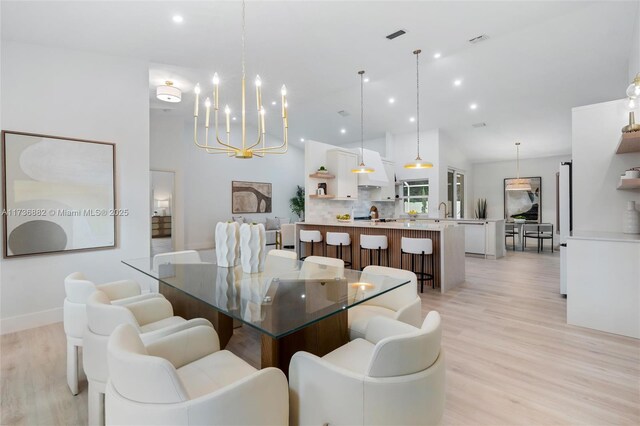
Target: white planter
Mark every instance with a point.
(227, 243)
(631, 223)
(253, 248)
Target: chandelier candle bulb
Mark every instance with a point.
(259, 92)
(207, 104)
(283, 92)
(227, 111)
(197, 91)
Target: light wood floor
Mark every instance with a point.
(511, 358)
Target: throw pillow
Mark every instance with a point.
(238, 219)
(283, 220)
(272, 224)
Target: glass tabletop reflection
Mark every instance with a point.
(286, 297)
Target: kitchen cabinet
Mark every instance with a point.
(345, 184)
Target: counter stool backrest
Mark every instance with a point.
(417, 245)
(337, 238)
(310, 236)
(374, 242)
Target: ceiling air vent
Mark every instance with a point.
(478, 125)
(343, 113)
(396, 34)
(478, 39)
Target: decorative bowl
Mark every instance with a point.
(344, 220)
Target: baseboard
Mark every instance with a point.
(32, 320)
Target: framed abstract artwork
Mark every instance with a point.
(524, 203)
(250, 197)
(58, 194)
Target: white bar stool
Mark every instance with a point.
(374, 243)
(422, 247)
(309, 237)
(339, 240)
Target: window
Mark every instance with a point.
(415, 195)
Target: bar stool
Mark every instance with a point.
(340, 240)
(309, 237)
(371, 243)
(418, 247)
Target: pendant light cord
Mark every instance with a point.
(417, 52)
(243, 36)
(518, 160)
(362, 115)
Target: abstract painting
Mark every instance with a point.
(250, 197)
(58, 194)
(524, 203)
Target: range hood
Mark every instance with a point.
(379, 176)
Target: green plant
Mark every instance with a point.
(519, 217)
(296, 203)
(481, 208)
(322, 168)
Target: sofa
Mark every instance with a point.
(271, 225)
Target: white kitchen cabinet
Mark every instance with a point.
(345, 185)
(387, 192)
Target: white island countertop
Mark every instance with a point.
(427, 226)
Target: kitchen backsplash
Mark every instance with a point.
(327, 210)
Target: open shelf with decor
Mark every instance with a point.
(629, 142)
(629, 183)
(318, 175)
(323, 197)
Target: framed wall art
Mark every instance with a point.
(527, 204)
(58, 194)
(250, 197)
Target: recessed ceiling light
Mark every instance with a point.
(392, 100)
(437, 55)
(301, 139)
(234, 118)
(473, 106)
(366, 79)
(273, 103)
(343, 131)
(412, 119)
(457, 82)
(178, 19)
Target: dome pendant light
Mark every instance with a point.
(518, 184)
(418, 163)
(362, 168)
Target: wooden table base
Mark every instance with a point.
(189, 307)
(319, 339)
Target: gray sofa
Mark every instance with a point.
(271, 225)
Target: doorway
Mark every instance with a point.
(455, 193)
(161, 209)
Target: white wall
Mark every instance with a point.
(597, 205)
(87, 96)
(634, 54)
(203, 181)
(378, 145)
(488, 182)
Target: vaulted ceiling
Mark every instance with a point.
(540, 60)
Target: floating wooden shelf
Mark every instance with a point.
(325, 197)
(629, 142)
(629, 183)
(322, 176)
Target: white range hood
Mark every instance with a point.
(379, 176)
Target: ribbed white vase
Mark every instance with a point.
(631, 224)
(253, 248)
(227, 243)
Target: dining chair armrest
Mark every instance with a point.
(185, 346)
(152, 336)
(411, 313)
(150, 310)
(138, 298)
(120, 289)
(380, 328)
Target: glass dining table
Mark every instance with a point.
(294, 305)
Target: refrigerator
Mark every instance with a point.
(564, 217)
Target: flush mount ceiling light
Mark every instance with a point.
(168, 93)
(245, 149)
(362, 168)
(418, 163)
(518, 184)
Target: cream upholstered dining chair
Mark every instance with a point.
(395, 376)
(176, 257)
(319, 267)
(185, 379)
(402, 304)
(77, 289)
(151, 318)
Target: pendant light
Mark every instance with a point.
(518, 184)
(362, 168)
(418, 163)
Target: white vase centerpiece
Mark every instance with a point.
(631, 223)
(253, 247)
(227, 243)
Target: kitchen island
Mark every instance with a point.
(448, 245)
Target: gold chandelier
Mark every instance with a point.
(247, 150)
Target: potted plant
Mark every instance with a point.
(323, 170)
(296, 203)
(481, 209)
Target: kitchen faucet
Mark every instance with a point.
(446, 213)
